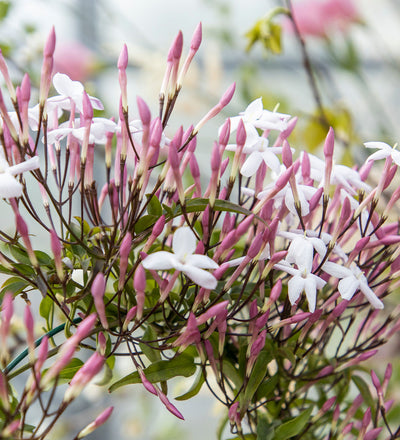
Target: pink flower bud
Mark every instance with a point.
(98, 289)
(255, 246)
(225, 133)
(287, 157)
(215, 158)
(4, 399)
(26, 88)
(29, 324)
(144, 111)
(101, 343)
(123, 58)
(243, 227)
(85, 327)
(241, 134)
(329, 143)
(227, 96)
(177, 46)
(372, 434)
(170, 407)
(129, 316)
(87, 107)
(146, 383)
(276, 290)
(196, 38)
(100, 420)
(50, 45)
(283, 179)
(328, 404)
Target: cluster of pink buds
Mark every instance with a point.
(265, 276)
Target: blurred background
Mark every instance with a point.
(352, 82)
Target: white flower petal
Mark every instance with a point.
(370, 295)
(311, 293)
(183, 242)
(251, 164)
(295, 287)
(161, 260)
(28, 165)
(253, 111)
(201, 261)
(200, 277)
(272, 161)
(348, 286)
(65, 86)
(9, 186)
(336, 270)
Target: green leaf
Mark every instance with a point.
(182, 365)
(4, 7)
(294, 426)
(145, 222)
(45, 307)
(152, 354)
(14, 284)
(195, 388)
(257, 375)
(154, 206)
(267, 388)
(364, 390)
(19, 254)
(265, 428)
(69, 371)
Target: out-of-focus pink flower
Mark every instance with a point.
(75, 60)
(319, 18)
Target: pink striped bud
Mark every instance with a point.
(56, 248)
(241, 134)
(85, 327)
(388, 375)
(196, 38)
(84, 375)
(22, 228)
(87, 108)
(50, 44)
(144, 111)
(170, 407)
(212, 312)
(326, 371)
(146, 383)
(124, 251)
(177, 46)
(329, 143)
(190, 335)
(328, 404)
(365, 170)
(26, 89)
(255, 246)
(227, 96)
(372, 434)
(377, 384)
(305, 165)
(98, 289)
(225, 133)
(100, 420)
(283, 179)
(123, 58)
(287, 157)
(156, 133)
(101, 343)
(129, 316)
(139, 283)
(243, 227)
(29, 325)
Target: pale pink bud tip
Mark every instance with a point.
(241, 133)
(197, 36)
(26, 88)
(50, 44)
(227, 96)
(329, 143)
(123, 58)
(55, 243)
(126, 244)
(372, 434)
(87, 106)
(328, 404)
(158, 226)
(178, 45)
(139, 280)
(99, 285)
(100, 420)
(144, 111)
(375, 380)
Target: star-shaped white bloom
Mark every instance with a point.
(256, 117)
(98, 131)
(301, 249)
(342, 175)
(302, 280)
(258, 153)
(9, 185)
(385, 151)
(70, 91)
(352, 279)
(184, 259)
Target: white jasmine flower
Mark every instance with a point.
(258, 153)
(184, 259)
(302, 280)
(352, 279)
(70, 91)
(385, 151)
(256, 117)
(342, 175)
(9, 185)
